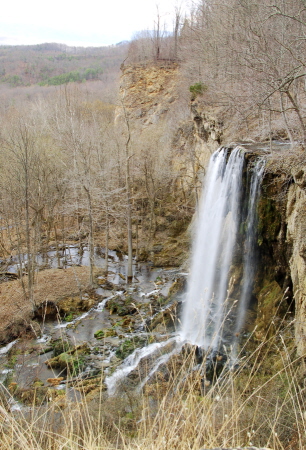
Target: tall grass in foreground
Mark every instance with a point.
(260, 403)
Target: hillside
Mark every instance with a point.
(55, 64)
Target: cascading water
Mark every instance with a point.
(208, 305)
(213, 249)
(225, 237)
(249, 259)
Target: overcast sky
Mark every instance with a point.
(79, 22)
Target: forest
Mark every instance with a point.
(104, 150)
(243, 59)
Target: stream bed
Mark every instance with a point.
(92, 343)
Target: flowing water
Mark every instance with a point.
(208, 306)
(213, 249)
(28, 366)
(225, 236)
(214, 308)
(249, 258)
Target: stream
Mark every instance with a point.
(23, 362)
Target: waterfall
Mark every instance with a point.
(214, 309)
(249, 259)
(209, 311)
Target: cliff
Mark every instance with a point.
(169, 152)
(296, 236)
(189, 131)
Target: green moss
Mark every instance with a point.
(60, 346)
(78, 365)
(11, 362)
(72, 361)
(269, 220)
(69, 317)
(120, 306)
(107, 332)
(269, 307)
(99, 334)
(129, 345)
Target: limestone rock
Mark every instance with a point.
(148, 92)
(75, 303)
(296, 234)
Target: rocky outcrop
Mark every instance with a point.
(281, 277)
(296, 236)
(148, 92)
(208, 128)
(195, 139)
(151, 97)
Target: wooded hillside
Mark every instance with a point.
(55, 64)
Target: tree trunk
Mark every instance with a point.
(128, 199)
(106, 242)
(90, 238)
(129, 226)
(297, 110)
(285, 119)
(30, 265)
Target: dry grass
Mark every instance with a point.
(50, 285)
(261, 403)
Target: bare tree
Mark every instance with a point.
(128, 157)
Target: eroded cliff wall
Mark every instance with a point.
(296, 236)
(281, 276)
(169, 146)
(162, 114)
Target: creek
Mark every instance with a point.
(25, 362)
(213, 308)
(215, 303)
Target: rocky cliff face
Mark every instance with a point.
(148, 92)
(194, 131)
(296, 237)
(171, 147)
(281, 278)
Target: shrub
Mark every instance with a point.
(197, 89)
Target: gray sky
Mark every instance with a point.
(79, 23)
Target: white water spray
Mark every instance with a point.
(132, 361)
(213, 249)
(208, 305)
(220, 221)
(249, 244)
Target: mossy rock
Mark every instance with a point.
(38, 395)
(74, 304)
(69, 304)
(177, 287)
(160, 300)
(71, 361)
(271, 307)
(62, 361)
(269, 220)
(61, 346)
(166, 320)
(120, 306)
(38, 383)
(104, 333)
(129, 345)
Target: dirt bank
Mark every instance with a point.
(16, 310)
